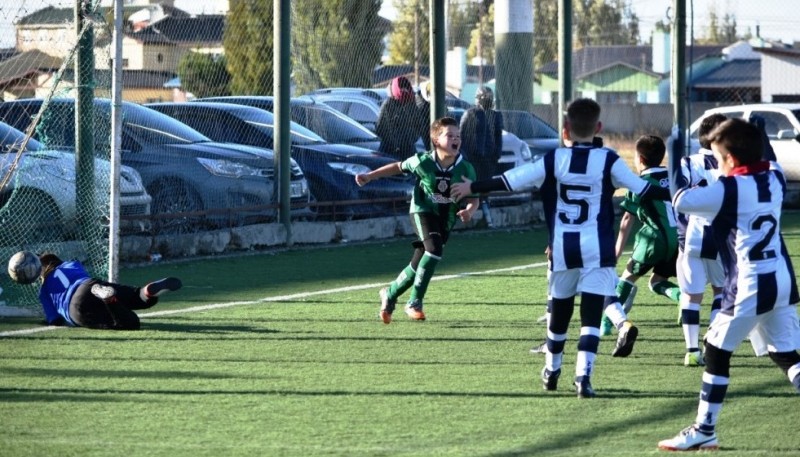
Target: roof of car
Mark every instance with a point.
(761, 106)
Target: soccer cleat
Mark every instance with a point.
(414, 311)
(625, 339)
(583, 387)
(694, 359)
(387, 306)
(550, 378)
(606, 326)
(157, 288)
(690, 439)
(539, 349)
(106, 293)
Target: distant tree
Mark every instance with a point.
(412, 22)
(335, 42)
(485, 33)
(723, 32)
(545, 32)
(204, 75)
(248, 46)
(605, 22)
(461, 21)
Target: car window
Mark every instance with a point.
(774, 122)
(334, 126)
(157, 128)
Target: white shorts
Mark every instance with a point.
(694, 273)
(568, 283)
(778, 329)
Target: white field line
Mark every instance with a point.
(213, 306)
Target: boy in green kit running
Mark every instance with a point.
(656, 243)
(433, 212)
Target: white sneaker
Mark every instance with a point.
(690, 439)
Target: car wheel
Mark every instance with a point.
(176, 208)
(30, 217)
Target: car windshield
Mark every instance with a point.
(158, 128)
(11, 139)
(334, 126)
(526, 125)
(264, 121)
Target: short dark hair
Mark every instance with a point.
(706, 126)
(651, 148)
(441, 123)
(583, 115)
(49, 263)
(741, 138)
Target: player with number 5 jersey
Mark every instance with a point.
(577, 184)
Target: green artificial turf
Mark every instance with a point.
(256, 356)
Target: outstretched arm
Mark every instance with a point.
(390, 169)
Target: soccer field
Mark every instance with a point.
(282, 354)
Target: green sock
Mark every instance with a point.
(668, 289)
(424, 274)
(404, 280)
(624, 290)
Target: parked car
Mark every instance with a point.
(38, 202)
(781, 122)
(193, 181)
(330, 124)
(330, 168)
(535, 132)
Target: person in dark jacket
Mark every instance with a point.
(482, 140)
(423, 100)
(398, 121)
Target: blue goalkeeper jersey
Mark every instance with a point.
(58, 288)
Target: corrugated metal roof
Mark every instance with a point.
(733, 74)
(26, 63)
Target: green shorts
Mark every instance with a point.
(652, 253)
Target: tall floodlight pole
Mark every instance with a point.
(564, 61)
(678, 85)
(513, 44)
(84, 119)
(437, 58)
(116, 141)
(282, 80)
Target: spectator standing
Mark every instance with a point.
(423, 99)
(482, 140)
(398, 121)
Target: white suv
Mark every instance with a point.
(782, 124)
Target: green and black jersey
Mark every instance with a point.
(432, 188)
(657, 239)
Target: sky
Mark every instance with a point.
(777, 19)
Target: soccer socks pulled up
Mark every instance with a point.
(624, 288)
(668, 289)
(402, 283)
(425, 271)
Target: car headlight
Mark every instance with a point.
(349, 168)
(525, 152)
(229, 169)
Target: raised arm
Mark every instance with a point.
(390, 169)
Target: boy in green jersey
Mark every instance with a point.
(655, 246)
(433, 212)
